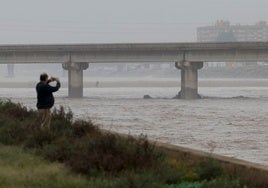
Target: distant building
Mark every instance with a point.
(223, 31)
(10, 70)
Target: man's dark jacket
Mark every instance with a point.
(45, 98)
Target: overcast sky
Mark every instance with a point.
(119, 21)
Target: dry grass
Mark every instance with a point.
(22, 169)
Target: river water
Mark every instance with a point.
(231, 121)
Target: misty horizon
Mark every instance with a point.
(43, 22)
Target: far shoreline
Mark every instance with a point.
(147, 83)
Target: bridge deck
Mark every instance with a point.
(139, 52)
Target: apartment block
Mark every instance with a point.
(223, 31)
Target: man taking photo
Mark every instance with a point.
(45, 99)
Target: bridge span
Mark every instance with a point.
(188, 57)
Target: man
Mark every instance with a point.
(45, 99)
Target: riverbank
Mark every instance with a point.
(108, 160)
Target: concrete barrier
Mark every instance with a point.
(247, 172)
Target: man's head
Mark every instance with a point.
(44, 77)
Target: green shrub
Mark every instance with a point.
(106, 152)
(186, 185)
(79, 144)
(12, 131)
(169, 173)
(128, 180)
(222, 183)
(17, 111)
(61, 123)
(209, 169)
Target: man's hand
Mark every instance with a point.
(54, 79)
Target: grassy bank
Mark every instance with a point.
(99, 159)
(19, 168)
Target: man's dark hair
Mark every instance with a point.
(43, 77)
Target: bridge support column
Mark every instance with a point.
(189, 79)
(75, 78)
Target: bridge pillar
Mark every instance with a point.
(189, 79)
(75, 78)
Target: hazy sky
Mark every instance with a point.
(117, 21)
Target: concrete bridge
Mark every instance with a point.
(188, 57)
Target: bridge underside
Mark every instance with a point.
(189, 79)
